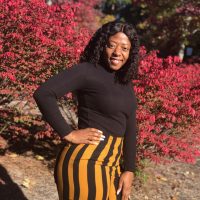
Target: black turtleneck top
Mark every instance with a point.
(102, 103)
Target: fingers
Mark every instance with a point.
(96, 130)
(126, 193)
(95, 140)
(95, 136)
(124, 187)
(119, 187)
(85, 136)
(92, 142)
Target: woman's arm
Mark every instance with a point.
(129, 146)
(129, 157)
(46, 95)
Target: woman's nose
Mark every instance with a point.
(117, 51)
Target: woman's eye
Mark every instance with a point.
(111, 46)
(125, 49)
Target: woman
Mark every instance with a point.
(87, 167)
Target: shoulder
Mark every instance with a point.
(85, 65)
(92, 69)
(79, 68)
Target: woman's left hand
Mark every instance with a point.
(125, 183)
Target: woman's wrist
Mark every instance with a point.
(69, 137)
(129, 172)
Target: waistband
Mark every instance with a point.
(106, 153)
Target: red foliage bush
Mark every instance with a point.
(37, 40)
(168, 93)
(89, 20)
(92, 18)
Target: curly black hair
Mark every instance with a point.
(94, 50)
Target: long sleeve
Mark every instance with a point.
(46, 96)
(129, 146)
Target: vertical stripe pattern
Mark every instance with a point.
(89, 172)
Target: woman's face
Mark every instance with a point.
(117, 50)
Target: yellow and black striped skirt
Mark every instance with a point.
(89, 172)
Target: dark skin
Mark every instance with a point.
(116, 55)
(117, 51)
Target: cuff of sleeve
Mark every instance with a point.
(64, 132)
(130, 169)
(129, 165)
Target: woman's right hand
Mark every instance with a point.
(85, 136)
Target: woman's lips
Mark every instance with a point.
(115, 61)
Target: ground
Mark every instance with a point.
(28, 175)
